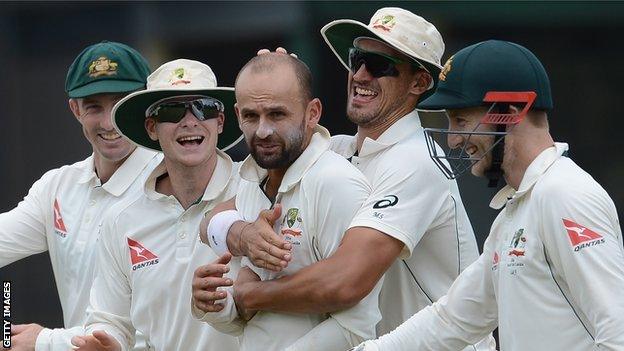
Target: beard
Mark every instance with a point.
(289, 149)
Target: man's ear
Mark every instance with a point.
(220, 121)
(75, 108)
(313, 112)
(237, 111)
(150, 127)
(421, 82)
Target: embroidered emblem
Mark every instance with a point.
(102, 66)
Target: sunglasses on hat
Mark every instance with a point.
(173, 109)
(377, 64)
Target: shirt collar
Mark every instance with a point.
(540, 164)
(217, 184)
(319, 143)
(405, 127)
(124, 176)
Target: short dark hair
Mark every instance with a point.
(268, 62)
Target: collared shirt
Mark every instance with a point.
(148, 251)
(320, 193)
(62, 214)
(551, 275)
(412, 202)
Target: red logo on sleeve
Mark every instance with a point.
(59, 225)
(140, 256)
(581, 236)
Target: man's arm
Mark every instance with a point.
(22, 230)
(467, 314)
(255, 240)
(212, 300)
(111, 295)
(588, 214)
(342, 279)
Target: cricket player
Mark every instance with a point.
(319, 191)
(552, 271)
(148, 246)
(63, 210)
(413, 227)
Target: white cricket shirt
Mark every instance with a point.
(413, 202)
(551, 275)
(148, 251)
(62, 214)
(320, 193)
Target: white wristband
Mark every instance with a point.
(218, 230)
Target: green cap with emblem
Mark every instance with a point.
(492, 65)
(106, 67)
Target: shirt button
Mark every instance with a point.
(183, 219)
(182, 235)
(92, 202)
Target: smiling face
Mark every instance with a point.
(189, 142)
(477, 146)
(94, 114)
(370, 100)
(274, 116)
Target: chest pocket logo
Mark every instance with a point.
(388, 201)
(291, 227)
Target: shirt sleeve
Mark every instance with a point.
(334, 202)
(58, 339)
(405, 200)
(111, 294)
(226, 321)
(23, 229)
(583, 242)
(467, 314)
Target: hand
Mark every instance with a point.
(99, 341)
(24, 336)
(206, 280)
(244, 283)
(279, 50)
(265, 248)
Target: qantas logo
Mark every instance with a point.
(140, 256)
(59, 225)
(581, 236)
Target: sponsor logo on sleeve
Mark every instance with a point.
(495, 261)
(581, 236)
(140, 256)
(388, 201)
(59, 225)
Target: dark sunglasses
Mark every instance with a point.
(173, 110)
(377, 64)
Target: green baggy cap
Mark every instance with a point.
(106, 67)
(492, 65)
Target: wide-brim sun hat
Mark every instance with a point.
(175, 78)
(403, 30)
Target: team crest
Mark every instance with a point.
(179, 76)
(517, 244)
(385, 23)
(291, 226)
(446, 69)
(59, 225)
(102, 66)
